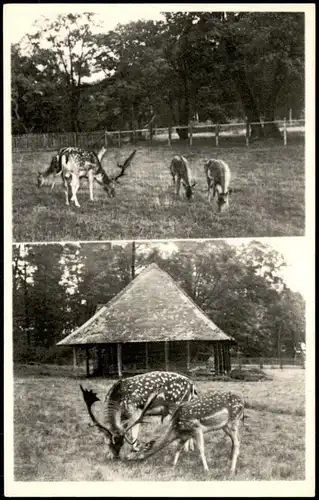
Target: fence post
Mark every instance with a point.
(261, 363)
(190, 130)
(105, 138)
(74, 139)
(119, 138)
(151, 133)
(290, 116)
(247, 132)
(169, 135)
(285, 132)
(217, 135)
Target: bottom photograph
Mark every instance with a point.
(159, 361)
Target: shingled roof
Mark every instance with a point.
(151, 308)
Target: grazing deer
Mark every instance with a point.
(52, 171)
(77, 163)
(218, 178)
(211, 411)
(181, 172)
(132, 397)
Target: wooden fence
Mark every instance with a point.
(268, 362)
(239, 133)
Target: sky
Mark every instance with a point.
(23, 16)
(299, 270)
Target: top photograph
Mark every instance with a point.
(143, 124)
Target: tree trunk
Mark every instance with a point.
(248, 100)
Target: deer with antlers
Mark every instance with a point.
(130, 399)
(77, 163)
(211, 411)
(218, 178)
(181, 173)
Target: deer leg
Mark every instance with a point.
(178, 186)
(208, 190)
(91, 179)
(66, 190)
(199, 438)
(75, 183)
(229, 433)
(179, 448)
(236, 445)
(134, 433)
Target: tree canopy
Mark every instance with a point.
(56, 288)
(212, 65)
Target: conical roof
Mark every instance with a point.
(151, 308)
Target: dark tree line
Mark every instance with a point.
(211, 65)
(58, 287)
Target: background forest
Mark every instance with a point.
(56, 287)
(218, 66)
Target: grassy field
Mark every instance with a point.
(53, 441)
(267, 200)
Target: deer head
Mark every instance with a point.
(116, 436)
(53, 168)
(222, 198)
(108, 182)
(189, 190)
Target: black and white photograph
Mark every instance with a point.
(168, 342)
(173, 125)
(159, 198)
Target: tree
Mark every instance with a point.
(264, 56)
(65, 50)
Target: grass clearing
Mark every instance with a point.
(268, 197)
(53, 442)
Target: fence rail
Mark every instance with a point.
(218, 133)
(268, 362)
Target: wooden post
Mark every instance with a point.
(215, 359)
(87, 362)
(74, 358)
(285, 132)
(146, 355)
(247, 132)
(290, 116)
(150, 128)
(217, 135)
(229, 357)
(169, 135)
(222, 358)
(188, 359)
(105, 138)
(119, 359)
(119, 138)
(133, 260)
(75, 139)
(190, 130)
(166, 355)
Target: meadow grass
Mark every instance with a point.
(267, 200)
(53, 441)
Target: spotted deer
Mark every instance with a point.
(218, 178)
(77, 163)
(130, 399)
(211, 411)
(181, 173)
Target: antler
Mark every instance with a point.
(149, 402)
(125, 165)
(90, 398)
